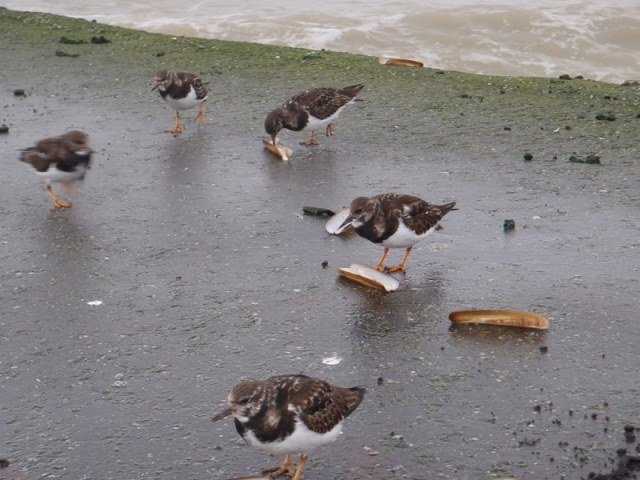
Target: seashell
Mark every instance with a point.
(281, 151)
(370, 277)
(333, 225)
(507, 318)
(401, 62)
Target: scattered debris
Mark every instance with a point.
(335, 225)
(70, 41)
(401, 62)
(19, 92)
(507, 318)
(318, 211)
(281, 151)
(590, 159)
(528, 156)
(60, 53)
(509, 225)
(370, 277)
(608, 116)
(100, 39)
(334, 360)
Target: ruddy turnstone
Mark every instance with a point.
(62, 159)
(181, 91)
(289, 414)
(311, 110)
(396, 221)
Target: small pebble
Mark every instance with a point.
(509, 225)
(19, 92)
(544, 349)
(4, 463)
(325, 264)
(528, 157)
(4, 128)
(608, 116)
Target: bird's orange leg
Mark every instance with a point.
(286, 468)
(58, 203)
(380, 265)
(301, 464)
(176, 128)
(68, 187)
(200, 115)
(329, 131)
(400, 266)
(311, 141)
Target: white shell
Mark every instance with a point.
(370, 277)
(333, 224)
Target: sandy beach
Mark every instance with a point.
(208, 272)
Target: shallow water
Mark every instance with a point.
(596, 39)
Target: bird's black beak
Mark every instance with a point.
(346, 222)
(223, 414)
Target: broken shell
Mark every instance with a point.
(507, 318)
(334, 224)
(370, 277)
(402, 62)
(279, 150)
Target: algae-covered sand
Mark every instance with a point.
(208, 272)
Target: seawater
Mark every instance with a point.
(598, 39)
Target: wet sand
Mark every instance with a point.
(208, 272)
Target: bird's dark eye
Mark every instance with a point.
(244, 401)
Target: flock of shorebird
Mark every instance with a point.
(284, 414)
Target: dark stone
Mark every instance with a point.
(544, 349)
(537, 408)
(508, 129)
(19, 92)
(590, 159)
(160, 54)
(318, 211)
(60, 53)
(99, 39)
(509, 225)
(608, 116)
(380, 380)
(4, 129)
(4, 463)
(528, 157)
(325, 264)
(564, 76)
(70, 41)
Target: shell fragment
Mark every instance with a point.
(401, 62)
(370, 277)
(507, 318)
(281, 151)
(334, 224)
